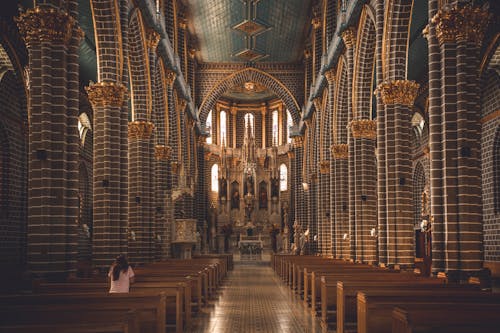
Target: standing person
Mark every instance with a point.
(121, 275)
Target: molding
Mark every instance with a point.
(106, 94)
(163, 153)
(140, 130)
(47, 24)
(401, 92)
(363, 129)
(324, 167)
(340, 151)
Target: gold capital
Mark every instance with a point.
(363, 129)
(171, 76)
(316, 22)
(298, 141)
(340, 151)
(349, 37)
(153, 38)
(307, 53)
(330, 75)
(106, 94)
(163, 153)
(317, 103)
(401, 92)
(140, 130)
(461, 23)
(324, 167)
(47, 24)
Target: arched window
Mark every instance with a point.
(283, 177)
(223, 128)
(275, 127)
(249, 121)
(289, 124)
(83, 126)
(215, 178)
(208, 126)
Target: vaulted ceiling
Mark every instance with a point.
(249, 30)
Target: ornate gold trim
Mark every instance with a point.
(349, 37)
(163, 153)
(298, 141)
(340, 151)
(465, 23)
(47, 24)
(316, 22)
(363, 129)
(140, 130)
(170, 76)
(106, 94)
(401, 92)
(291, 154)
(153, 38)
(324, 167)
(330, 75)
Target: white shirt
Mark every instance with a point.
(122, 285)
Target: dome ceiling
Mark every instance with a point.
(249, 30)
(249, 92)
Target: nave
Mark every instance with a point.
(253, 299)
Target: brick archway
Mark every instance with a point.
(255, 75)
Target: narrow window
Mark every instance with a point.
(275, 127)
(215, 178)
(208, 125)
(283, 177)
(223, 128)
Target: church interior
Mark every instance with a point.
(264, 165)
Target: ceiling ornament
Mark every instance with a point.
(340, 151)
(251, 26)
(249, 87)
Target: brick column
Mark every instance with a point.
(398, 97)
(297, 166)
(162, 155)
(460, 31)
(349, 38)
(340, 155)
(110, 229)
(435, 145)
(381, 156)
(52, 37)
(363, 132)
(141, 221)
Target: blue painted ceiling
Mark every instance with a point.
(249, 30)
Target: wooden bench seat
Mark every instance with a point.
(374, 309)
(68, 320)
(446, 318)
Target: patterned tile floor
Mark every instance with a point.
(253, 299)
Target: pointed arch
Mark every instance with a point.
(255, 75)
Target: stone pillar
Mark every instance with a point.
(460, 31)
(263, 111)
(299, 197)
(141, 192)
(363, 132)
(398, 97)
(340, 155)
(349, 38)
(52, 37)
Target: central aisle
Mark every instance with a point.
(252, 299)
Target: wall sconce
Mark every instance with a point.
(425, 225)
(86, 230)
(305, 186)
(346, 236)
(131, 235)
(158, 237)
(373, 233)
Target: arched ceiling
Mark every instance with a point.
(249, 30)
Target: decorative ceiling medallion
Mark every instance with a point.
(250, 55)
(249, 87)
(250, 27)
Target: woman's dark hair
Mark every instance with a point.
(120, 264)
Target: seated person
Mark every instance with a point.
(121, 275)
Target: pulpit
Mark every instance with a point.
(184, 238)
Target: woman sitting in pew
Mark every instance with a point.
(121, 275)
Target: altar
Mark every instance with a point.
(250, 247)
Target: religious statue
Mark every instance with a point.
(235, 200)
(263, 197)
(249, 185)
(425, 202)
(275, 188)
(223, 188)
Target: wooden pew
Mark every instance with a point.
(375, 308)
(150, 307)
(346, 308)
(329, 286)
(177, 310)
(446, 318)
(68, 320)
